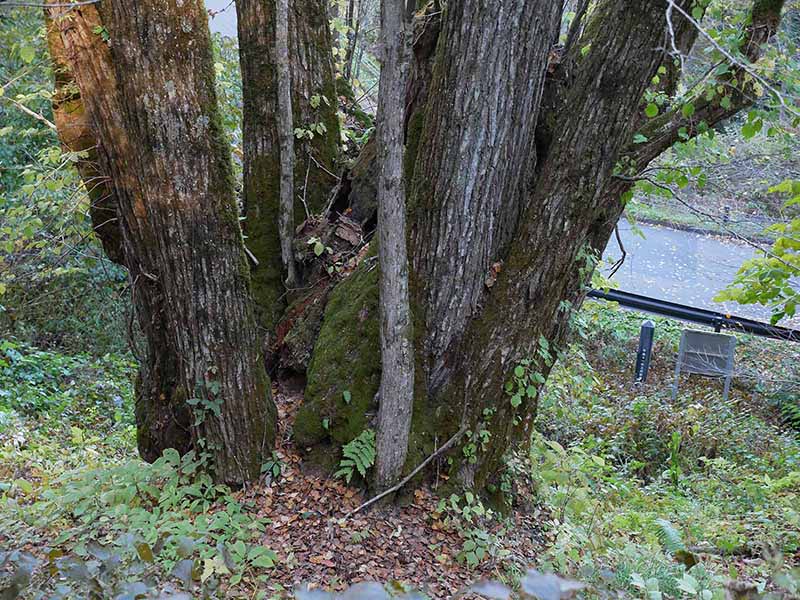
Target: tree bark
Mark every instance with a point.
(75, 133)
(362, 177)
(311, 65)
(397, 356)
(475, 151)
(352, 38)
(203, 385)
(506, 226)
(286, 137)
(550, 260)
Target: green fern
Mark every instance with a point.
(670, 537)
(789, 407)
(359, 455)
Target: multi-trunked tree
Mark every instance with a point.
(518, 154)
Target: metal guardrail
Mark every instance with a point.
(717, 320)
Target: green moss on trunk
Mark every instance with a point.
(346, 358)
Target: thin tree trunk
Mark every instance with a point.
(397, 378)
(203, 385)
(286, 137)
(352, 37)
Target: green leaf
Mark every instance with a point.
(27, 54)
(265, 561)
(651, 110)
(145, 552)
(688, 110)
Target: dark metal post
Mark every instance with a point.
(645, 350)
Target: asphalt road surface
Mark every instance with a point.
(682, 266)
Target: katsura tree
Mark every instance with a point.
(135, 93)
(520, 154)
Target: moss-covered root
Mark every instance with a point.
(344, 372)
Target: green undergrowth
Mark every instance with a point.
(81, 516)
(666, 498)
(635, 493)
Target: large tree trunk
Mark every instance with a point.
(506, 226)
(311, 64)
(203, 385)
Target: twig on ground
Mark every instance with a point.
(411, 475)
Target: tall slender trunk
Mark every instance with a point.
(286, 138)
(397, 378)
(352, 39)
(203, 385)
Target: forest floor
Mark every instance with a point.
(624, 489)
(415, 543)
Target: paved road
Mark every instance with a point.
(682, 266)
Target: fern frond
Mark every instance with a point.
(669, 536)
(359, 455)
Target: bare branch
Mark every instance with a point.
(30, 112)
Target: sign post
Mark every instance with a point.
(645, 350)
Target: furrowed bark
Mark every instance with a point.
(476, 148)
(548, 261)
(75, 134)
(311, 65)
(397, 356)
(203, 385)
(574, 209)
(286, 137)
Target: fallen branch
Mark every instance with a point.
(411, 475)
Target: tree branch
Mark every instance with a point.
(30, 112)
(664, 131)
(447, 445)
